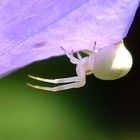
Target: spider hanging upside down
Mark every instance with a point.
(109, 63)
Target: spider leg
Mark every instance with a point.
(73, 82)
(61, 87)
(57, 81)
(91, 58)
(73, 59)
(79, 56)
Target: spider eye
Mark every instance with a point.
(113, 62)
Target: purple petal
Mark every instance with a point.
(35, 30)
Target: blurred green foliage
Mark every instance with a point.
(87, 113)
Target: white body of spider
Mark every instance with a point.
(109, 63)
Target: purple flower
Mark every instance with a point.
(35, 30)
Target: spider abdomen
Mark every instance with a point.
(112, 63)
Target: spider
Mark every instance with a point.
(109, 63)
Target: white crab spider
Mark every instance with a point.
(109, 63)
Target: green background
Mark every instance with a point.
(101, 110)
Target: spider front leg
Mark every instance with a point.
(58, 88)
(73, 82)
(57, 81)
